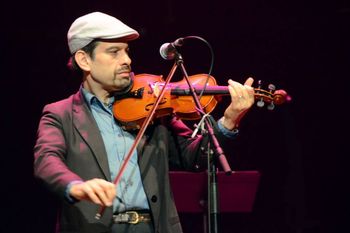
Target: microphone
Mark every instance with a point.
(168, 50)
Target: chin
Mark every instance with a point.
(123, 86)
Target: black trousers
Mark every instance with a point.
(141, 227)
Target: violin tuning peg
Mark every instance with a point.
(272, 87)
(259, 84)
(271, 106)
(260, 103)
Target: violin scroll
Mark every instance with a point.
(270, 96)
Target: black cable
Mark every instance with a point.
(211, 61)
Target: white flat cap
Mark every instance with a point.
(97, 25)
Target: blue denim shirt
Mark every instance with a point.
(130, 192)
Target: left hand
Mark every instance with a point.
(242, 98)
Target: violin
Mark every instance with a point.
(132, 108)
(137, 107)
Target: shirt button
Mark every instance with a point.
(119, 135)
(154, 198)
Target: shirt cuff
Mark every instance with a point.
(228, 133)
(68, 197)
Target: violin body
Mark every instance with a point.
(131, 109)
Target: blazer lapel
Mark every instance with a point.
(88, 129)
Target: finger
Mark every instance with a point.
(237, 89)
(248, 89)
(99, 192)
(90, 194)
(233, 93)
(247, 92)
(109, 189)
(249, 82)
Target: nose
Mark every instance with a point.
(126, 59)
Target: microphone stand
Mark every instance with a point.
(218, 154)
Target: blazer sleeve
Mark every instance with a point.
(50, 153)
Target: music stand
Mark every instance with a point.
(236, 192)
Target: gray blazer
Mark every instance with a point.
(69, 147)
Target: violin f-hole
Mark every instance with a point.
(148, 107)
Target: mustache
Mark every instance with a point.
(123, 69)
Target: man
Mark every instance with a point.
(80, 146)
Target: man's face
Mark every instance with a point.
(110, 68)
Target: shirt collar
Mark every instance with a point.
(91, 99)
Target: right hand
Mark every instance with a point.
(98, 191)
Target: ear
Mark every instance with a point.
(83, 60)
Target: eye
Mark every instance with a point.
(114, 51)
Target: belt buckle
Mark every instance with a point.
(135, 217)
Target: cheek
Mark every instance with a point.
(102, 70)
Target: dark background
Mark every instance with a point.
(300, 148)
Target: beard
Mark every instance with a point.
(125, 84)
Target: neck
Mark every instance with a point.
(209, 90)
(100, 93)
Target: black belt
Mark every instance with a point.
(132, 217)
